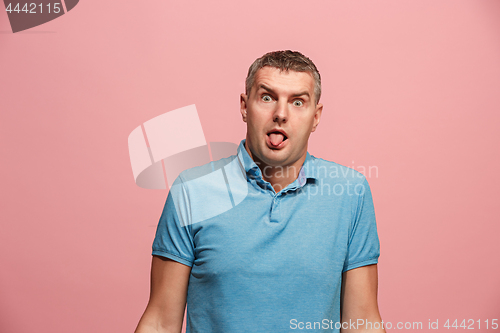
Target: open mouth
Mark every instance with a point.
(276, 138)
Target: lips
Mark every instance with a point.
(276, 138)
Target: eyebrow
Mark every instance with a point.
(306, 93)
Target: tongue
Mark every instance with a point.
(276, 138)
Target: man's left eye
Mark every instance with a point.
(298, 103)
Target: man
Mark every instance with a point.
(271, 239)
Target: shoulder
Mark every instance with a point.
(210, 189)
(211, 176)
(326, 170)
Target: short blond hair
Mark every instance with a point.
(285, 60)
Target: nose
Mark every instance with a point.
(281, 112)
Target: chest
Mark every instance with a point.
(267, 237)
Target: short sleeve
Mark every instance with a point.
(363, 246)
(173, 237)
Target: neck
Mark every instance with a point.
(279, 176)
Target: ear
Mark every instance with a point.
(243, 106)
(317, 116)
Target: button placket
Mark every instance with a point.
(275, 210)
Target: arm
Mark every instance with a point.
(165, 310)
(359, 300)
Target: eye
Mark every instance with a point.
(298, 103)
(266, 98)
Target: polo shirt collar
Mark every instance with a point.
(249, 166)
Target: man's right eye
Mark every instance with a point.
(266, 98)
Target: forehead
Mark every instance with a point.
(284, 81)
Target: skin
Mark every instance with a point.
(167, 301)
(282, 100)
(359, 299)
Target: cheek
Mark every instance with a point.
(257, 119)
(254, 124)
(303, 124)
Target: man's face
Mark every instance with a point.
(280, 101)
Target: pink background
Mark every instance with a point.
(411, 87)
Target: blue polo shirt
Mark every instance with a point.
(264, 261)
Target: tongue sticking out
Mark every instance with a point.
(276, 138)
